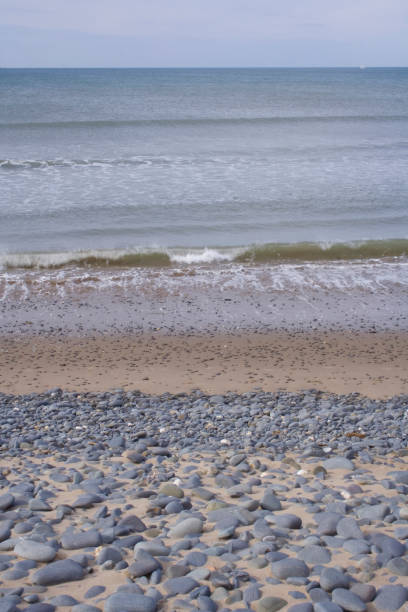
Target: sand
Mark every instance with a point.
(373, 364)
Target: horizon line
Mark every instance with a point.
(254, 67)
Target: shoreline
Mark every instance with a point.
(371, 364)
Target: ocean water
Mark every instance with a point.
(231, 169)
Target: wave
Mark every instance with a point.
(255, 254)
(145, 160)
(312, 251)
(22, 164)
(200, 121)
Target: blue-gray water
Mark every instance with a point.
(192, 166)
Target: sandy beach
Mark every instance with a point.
(373, 364)
(202, 446)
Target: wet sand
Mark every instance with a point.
(373, 364)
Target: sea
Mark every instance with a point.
(273, 178)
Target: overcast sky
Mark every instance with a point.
(203, 33)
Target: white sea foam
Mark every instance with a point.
(203, 256)
(308, 278)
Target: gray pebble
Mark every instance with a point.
(390, 598)
(94, 591)
(187, 527)
(290, 567)
(314, 554)
(58, 572)
(180, 586)
(331, 579)
(36, 551)
(130, 602)
(348, 600)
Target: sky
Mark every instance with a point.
(147, 33)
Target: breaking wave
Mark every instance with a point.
(255, 254)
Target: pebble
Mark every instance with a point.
(58, 572)
(302, 607)
(63, 601)
(271, 604)
(31, 549)
(331, 579)
(186, 527)
(314, 554)
(180, 586)
(348, 600)
(287, 568)
(398, 566)
(130, 602)
(81, 539)
(390, 598)
(191, 508)
(338, 463)
(348, 528)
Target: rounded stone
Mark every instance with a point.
(390, 598)
(81, 539)
(94, 591)
(271, 604)
(366, 592)
(186, 527)
(180, 586)
(270, 502)
(6, 500)
(130, 602)
(347, 528)
(398, 566)
(35, 551)
(171, 490)
(63, 601)
(288, 521)
(338, 463)
(58, 572)
(314, 554)
(348, 600)
(301, 607)
(327, 606)
(331, 579)
(286, 568)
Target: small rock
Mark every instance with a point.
(36, 551)
(180, 586)
(187, 527)
(58, 572)
(287, 568)
(390, 598)
(129, 602)
(348, 600)
(271, 604)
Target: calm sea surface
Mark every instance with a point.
(188, 166)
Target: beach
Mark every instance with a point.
(264, 501)
(203, 340)
(372, 364)
(177, 449)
